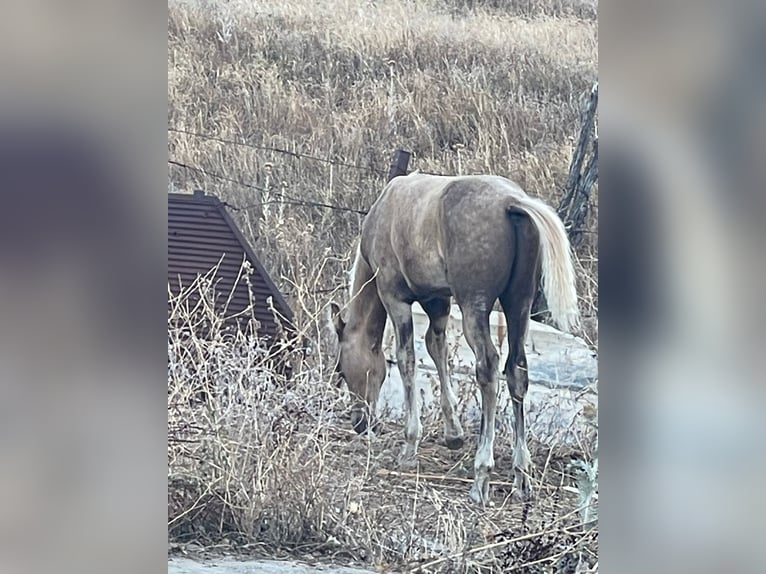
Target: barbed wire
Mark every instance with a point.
(284, 199)
(281, 198)
(320, 291)
(215, 175)
(282, 151)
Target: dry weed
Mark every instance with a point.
(261, 463)
(270, 465)
(482, 86)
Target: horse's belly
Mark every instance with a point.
(428, 278)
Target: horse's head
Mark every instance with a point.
(362, 366)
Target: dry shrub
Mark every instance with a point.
(585, 9)
(270, 464)
(245, 452)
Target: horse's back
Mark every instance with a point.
(422, 207)
(480, 238)
(418, 197)
(443, 234)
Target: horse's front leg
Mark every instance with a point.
(436, 343)
(401, 317)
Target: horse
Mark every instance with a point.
(430, 238)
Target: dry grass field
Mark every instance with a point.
(468, 86)
(268, 467)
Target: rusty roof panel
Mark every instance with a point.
(201, 236)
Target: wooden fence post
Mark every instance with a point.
(399, 164)
(575, 203)
(573, 208)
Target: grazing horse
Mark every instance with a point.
(477, 239)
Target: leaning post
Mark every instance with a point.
(399, 164)
(575, 204)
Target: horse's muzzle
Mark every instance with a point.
(360, 422)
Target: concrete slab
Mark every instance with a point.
(232, 566)
(561, 369)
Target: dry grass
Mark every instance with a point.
(469, 86)
(269, 466)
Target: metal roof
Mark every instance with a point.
(201, 233)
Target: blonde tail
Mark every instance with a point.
(558, 274)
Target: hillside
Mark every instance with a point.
(488, 86)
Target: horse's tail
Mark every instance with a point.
(558, 276)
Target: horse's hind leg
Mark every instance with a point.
(436, 343)
(516, 301)
(477, 333)
(516, 375)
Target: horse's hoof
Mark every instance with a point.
(480, 499)
(454, 443)
(480, 492)
(407, 460)
(522, 490)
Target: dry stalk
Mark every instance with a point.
(257, 461)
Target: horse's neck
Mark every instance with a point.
(367, 316)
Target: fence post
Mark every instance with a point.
(399, 164)
(575, 204)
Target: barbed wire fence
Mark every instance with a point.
(573, 208)
(268, 195)
(282, 151)
(274, 197)
(281, 198)
(576, 202)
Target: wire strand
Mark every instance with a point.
(294, 154)
(215, 175)
(282, 197)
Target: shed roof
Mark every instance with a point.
(201, 233)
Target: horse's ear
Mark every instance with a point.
(337, 320)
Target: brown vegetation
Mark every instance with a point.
(260, 465)
(469, 86)
(491, 89)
